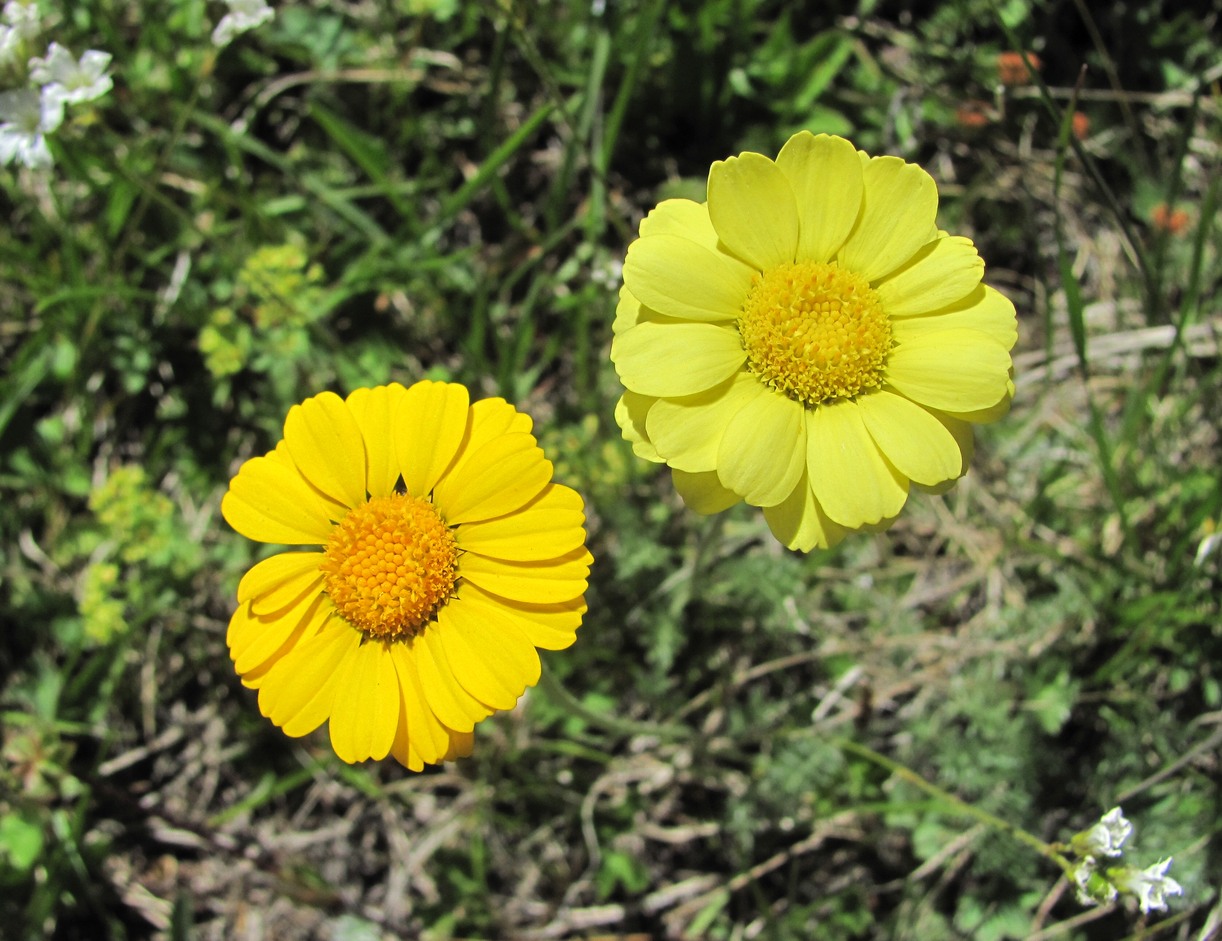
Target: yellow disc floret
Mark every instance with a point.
(389, 565)
(815, 332)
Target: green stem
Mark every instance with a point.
(560, 695)
(957, 805)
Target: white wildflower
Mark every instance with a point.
(1150, 886)
(26, 118)
(243, 15)
(1106, 837)
(1093, 888)
(70, 81)
(22, 18)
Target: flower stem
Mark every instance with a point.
(955, 804)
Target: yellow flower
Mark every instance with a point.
(445, 556)
(808, 341)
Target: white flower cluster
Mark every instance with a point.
(243, 15)
(1098, 883)
(29, 114)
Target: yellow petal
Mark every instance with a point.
(825, 175)
(503, 476)
(800, 523)
(325, 443)
(487, 420)
(548, 626)
(964, 437)
(680, 278)
(688, 430)
(280, 580)
(374, 411)
(430, 422)
(941, 273)
(269, 501)
(429, 738)
(763, 452)
(461, 745)
(631, 412)
(753, 210)
(489, 654)
(984, 309)
(703, 492)
(256, 639)
(452, 704)
(556, 580)
(365, 714)
(667, 360)
(850, 478)
(682, 217)
(954, 370)
(298, 692)
(627, 311)
(549, 526)
(914, 441)
(898, 210)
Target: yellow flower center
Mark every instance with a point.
(815, 332)
(389, 565)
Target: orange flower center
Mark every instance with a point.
(815, 332)
(389, 565)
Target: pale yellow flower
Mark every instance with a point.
(808, 341)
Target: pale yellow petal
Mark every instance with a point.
(916, 443)
(984, 309)
(627, 311)
(898, 209)
(941, 273)
(365, 713)
(555, 580)
(964, 437)
(703, 492)
(298, 692)
(825, 174)
(631, 412)
(490, 654)
(753, 210)
(683, 217)
(269, 501)
(954, 370)
(681, 278)
(374, 411)
(667, 360)
(487, 420)
(501, 477)
(280, 580)
(325, 443)
(763, 452)
(453, 705)
(798, 521)
(851, 479)
(430, 422)
(686, 432)
(547, 527)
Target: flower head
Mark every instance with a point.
(1150, 886)
(26, 118)
(808, 341)
(1092, 886)
(1104, 838)
(1012, 67)
(70, 81)
(443, 556)
(23, 18)
(243, 15)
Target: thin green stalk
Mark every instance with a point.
(562, 697)
(955, 804)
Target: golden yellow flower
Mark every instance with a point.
(444, 556)
(808, 341)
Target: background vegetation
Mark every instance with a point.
(360, 192)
